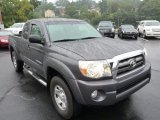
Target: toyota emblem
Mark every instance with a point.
(132, 63)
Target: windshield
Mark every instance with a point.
(127, 27)
(5, 33)
(17, 25)
(152, 24)
(105, 24)
(71, 30)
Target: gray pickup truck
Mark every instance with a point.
(78, 65)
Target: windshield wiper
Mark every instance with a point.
(88, 38)
(64, 40)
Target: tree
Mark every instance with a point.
(149, 9)
(35, 3)
(62, 2)
(39, 12)
(15, 11)
(103, 6)
(71, 10)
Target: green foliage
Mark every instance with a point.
(150, 9)
(118, 11)
(15, 11)
(39, 12)
(103, 6)
(62, 2)
(71, 10)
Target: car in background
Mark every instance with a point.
(106, 28)
(16, 28)
(127, 31)
(149, 28)
(4, 38)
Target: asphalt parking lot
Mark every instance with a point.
(23, 98)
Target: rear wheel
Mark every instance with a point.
(136, 37)
(18, 65)
(62, 99)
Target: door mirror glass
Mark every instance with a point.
(35, 39)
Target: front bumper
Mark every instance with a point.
(152, 34)
(130, 35)
(3, 44)
(108, 33)
(113, 90)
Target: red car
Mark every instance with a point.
(4, 38)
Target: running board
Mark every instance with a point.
(36, 77)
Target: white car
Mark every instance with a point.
(16, 28)
(149, 28)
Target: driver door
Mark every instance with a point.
(36, 50)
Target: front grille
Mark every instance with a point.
(156, 30)
(129, 64)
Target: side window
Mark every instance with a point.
(25, 31)
(35, 30)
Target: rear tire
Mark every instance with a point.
(136, 37)
(18, 65)
(62, 99)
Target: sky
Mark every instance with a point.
(68, 0)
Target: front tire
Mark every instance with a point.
(144, 35)
(18, 65)
(62, 99)
(121, 35)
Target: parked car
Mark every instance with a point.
(106, 28)
(149, 28)
(16, 28)
(127, 31)
(4, 38)
(77, 64)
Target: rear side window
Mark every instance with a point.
(35, 30)
(25, 31)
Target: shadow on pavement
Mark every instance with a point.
(119, 111)
(4, 49)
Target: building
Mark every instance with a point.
(49, 13)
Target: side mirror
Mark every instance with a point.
(35, 39)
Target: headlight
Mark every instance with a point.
(124, 31)
(95, 69)
(145, 51)
(112, 29)
(148, 29)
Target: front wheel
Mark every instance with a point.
(18, 65)
(62, 99)
(121, 35)
(144, 35)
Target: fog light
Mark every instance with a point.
(94, 94)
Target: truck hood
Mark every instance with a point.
(99, 48)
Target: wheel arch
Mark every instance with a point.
(70, 82)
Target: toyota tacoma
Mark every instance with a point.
(78, 65)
